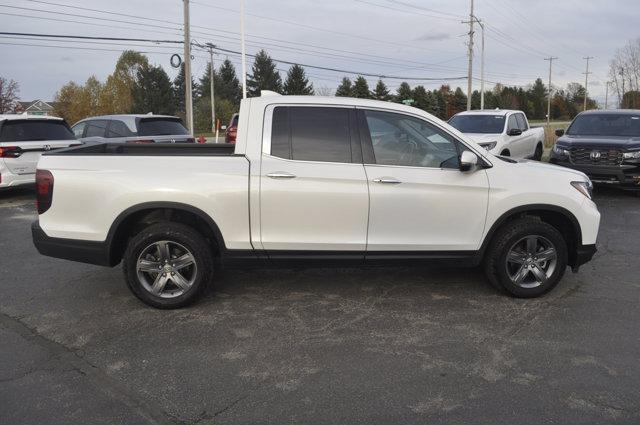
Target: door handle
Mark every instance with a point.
(281, 175)
(387, 180)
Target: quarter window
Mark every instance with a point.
(404, 140)
(308, 133)
(96, 128)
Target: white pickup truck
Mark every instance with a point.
(502, 132)
(313, 181)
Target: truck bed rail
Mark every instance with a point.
(151, 149)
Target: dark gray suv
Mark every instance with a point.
(132, 128)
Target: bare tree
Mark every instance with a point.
(9, 90)
(624, 69)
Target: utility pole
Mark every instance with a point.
(214, 127)
(470, 69)
(586, 82)
(481, 66)
(188, 101)
(622, 98)
(244, 60)
(606, 95)
(550, 59)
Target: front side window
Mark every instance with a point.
(522, 123)
(78, 129)
(512, 124)
(96, 128)
(404, 140)
(309, 133)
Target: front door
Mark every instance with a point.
(313, 188)
(419, 200)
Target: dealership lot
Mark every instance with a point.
(321, 346)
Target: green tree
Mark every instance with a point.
(345, 89)
(179, 88)
(265, 75)
(117, 94)
(361, 88)
(229, 87)
(631, 100)
(538, 96)
(381, 91)
(297, 82)
(404, 92)
(152, 92)
(422, 99)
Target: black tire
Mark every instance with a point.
(179, 235)
(505, 238)
(537, 156)
(505, 153)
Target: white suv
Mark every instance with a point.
(23, 138)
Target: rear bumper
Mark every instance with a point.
(626, 175)
(8, 179)
(70, 249)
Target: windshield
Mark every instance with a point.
(623, 125)
(161, 127)
(35, 130)
(487, 124)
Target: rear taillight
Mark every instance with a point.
(44, 189)
(10, 152)
(140, 142)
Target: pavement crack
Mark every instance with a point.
(230, 405)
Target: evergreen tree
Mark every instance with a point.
(152, 92)
(179, 85)
(265, 75)
(203, 88)
(361, 88)
(345, 89)
(422, 99)
(459, 100)
(297, 82)
(381, 92)
(538, 96)
(404, 92)
(229, 87)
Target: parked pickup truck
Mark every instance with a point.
(502, 132)
(313, 181)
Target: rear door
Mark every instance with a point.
(313, 188)
(95, 131)
(528, 141)
(518, 143)
(25, 140)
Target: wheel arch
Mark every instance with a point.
(134, 218)
(560, 218)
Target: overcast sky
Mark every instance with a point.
(405, 38)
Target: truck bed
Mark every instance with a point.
(151, 149)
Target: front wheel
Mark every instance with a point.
(167, 265)
(537, 155)
(527, 258)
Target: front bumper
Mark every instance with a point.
(584, 254)
(625, 175)
(70, 249)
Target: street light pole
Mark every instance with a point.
(550, 59)
(244, 60)
(188, 101)
(481, 66)
(470, 69)
(586, 82)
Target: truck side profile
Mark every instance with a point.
(313, 181)
(502, 132)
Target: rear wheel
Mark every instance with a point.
(167, 265)
(527, 258)
(505, 153)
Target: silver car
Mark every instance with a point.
(132, 128)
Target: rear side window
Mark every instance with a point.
(35, 130)
(161, 127)
(118, 128)
(522, 123)
(311, 134)
(96, 128)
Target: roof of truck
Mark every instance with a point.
(496, 111)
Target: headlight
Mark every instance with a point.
(631, 155)
(488, 146)
(560, 150)
(586, 188)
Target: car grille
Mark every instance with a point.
(595, 156)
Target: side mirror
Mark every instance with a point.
(468, 161)
(514, 132)
(559, 132)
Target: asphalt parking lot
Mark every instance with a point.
(391, 345)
